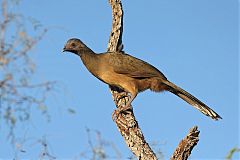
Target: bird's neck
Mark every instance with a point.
(90, 60)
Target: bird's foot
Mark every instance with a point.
(118, 96)
(120, 110)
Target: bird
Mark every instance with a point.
(132, 75)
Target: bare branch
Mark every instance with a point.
(17, 92)
(186, 145)
(131, 132)
(115, 40)
(126, 121)
(99, 147)
(3, 24)
(45, 154)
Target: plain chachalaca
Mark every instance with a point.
(131, 74)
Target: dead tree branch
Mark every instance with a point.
(186, 145)
(18, 92)
(115, 40)
(126, 121)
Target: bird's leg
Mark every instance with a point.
(118, 96)
(128, 104)
(122, 109)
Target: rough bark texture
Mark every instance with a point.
(115, 40)
(186, 145)
(125, 121)
(130, 130)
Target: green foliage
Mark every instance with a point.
(232, 152)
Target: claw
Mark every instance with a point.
(120, 110)
(118, 96)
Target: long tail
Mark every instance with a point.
(192, 100)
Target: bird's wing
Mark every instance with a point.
(125, 64)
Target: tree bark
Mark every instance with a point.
(126, 121)
(186, 145)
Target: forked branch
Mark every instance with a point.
(126, 121)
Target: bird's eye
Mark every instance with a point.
(73, 45)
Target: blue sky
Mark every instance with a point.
(194, 43)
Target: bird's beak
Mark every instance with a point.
(64, 50)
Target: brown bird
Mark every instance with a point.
(131, 74)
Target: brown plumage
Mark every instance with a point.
(131, 74)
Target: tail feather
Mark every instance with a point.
(192, 100)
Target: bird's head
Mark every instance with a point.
(75, 45)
